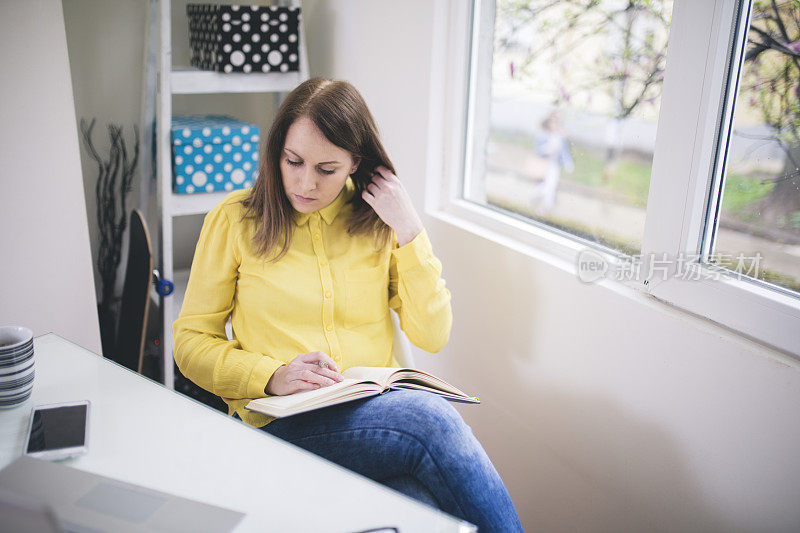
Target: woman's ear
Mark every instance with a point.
(356, 162)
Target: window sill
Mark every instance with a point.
(712, 303)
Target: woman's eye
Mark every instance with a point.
(294, 163)
(328, 172)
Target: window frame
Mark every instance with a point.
(704, 52)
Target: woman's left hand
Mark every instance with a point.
(391, 202)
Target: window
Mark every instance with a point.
(759, 209)
(573, 108)
(655, 141)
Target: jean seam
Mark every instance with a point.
(400, 432)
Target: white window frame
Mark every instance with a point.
(696, 106)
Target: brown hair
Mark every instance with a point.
(341, 114)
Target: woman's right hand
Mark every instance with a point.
(303, 373)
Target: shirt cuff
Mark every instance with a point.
(413, 253)
(260, 375)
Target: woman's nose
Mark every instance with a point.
(307, 180)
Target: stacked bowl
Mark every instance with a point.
(16, 365)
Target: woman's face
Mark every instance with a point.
(312, 168)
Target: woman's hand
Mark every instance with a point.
(303, 373)
(391, 202)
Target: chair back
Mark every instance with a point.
(135, 296)
(401, 348)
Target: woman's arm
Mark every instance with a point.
(416, 289)
(202, 350)
(418, 293)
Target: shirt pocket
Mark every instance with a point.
(366, 295)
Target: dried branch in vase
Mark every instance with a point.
(114, 182)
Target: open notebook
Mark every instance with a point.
(358, 382)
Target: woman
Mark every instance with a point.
(307, 265)
(551, 145)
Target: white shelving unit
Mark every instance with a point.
(189, 80)
(174, 80)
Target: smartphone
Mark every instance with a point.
(57, 431)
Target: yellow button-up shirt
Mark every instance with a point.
(331, 292)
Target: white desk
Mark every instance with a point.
(142, 433)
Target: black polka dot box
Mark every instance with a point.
(212, 153)
(232, 38)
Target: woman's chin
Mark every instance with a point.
(304, 207)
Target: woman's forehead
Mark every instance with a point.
(304, 139)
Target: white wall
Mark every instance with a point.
(605, 412)
(45, 271)
(105, 42)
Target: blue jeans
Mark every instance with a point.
(414, 442)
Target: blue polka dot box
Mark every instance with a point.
(212, 153)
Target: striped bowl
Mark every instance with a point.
(16, 365)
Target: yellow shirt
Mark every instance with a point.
(331, 292)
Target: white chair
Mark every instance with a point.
(401, 348)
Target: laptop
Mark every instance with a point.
(36, 492)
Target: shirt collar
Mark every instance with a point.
(330, 211)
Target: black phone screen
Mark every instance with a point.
(58, 427)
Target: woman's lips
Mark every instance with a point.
(303, 199)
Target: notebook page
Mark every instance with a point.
(378, 374)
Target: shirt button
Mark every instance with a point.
(327, 294)
(323, 263)
(329, 327)
(316, 235)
